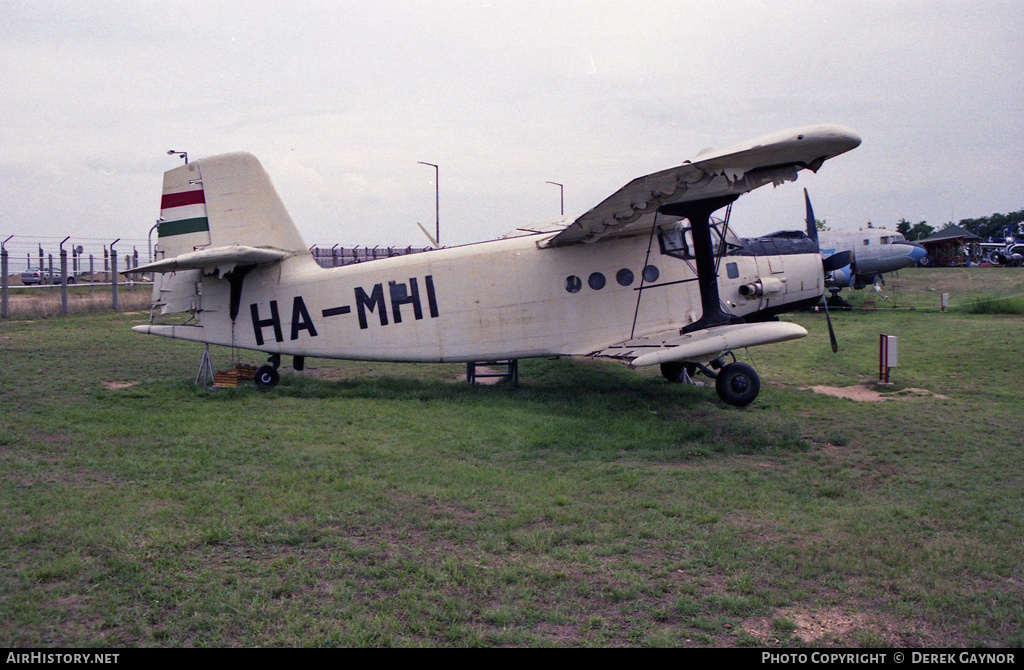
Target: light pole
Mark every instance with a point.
(561, 195)
(183, 154)
(437, 202)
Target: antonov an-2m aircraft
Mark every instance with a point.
(646, 276)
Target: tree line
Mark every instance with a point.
(994, 225)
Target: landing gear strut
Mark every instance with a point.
(736, 383)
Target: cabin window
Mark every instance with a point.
(596, 281)
(867, 242)
(624, 277)
(651, 274)
(573, 284)
(732, 270)
(676, 242)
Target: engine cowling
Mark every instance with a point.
(841, 278)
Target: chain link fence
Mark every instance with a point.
(89, 273)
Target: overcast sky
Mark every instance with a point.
(339, 100)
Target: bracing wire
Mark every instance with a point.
(647, 259)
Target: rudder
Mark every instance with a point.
(221, 201)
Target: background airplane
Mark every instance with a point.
(233, 260)
(872, 253)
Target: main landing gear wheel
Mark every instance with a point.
(737, 384)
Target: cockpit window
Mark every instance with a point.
(677, 240)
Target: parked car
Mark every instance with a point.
(43, 276)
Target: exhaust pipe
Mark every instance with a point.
(767, 286)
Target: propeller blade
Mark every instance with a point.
(430, 237)
(831, 332)
(836, 261)
(812, 225)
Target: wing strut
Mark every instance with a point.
(640, 293)
(699, 215)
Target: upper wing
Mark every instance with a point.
(774, 158)
(700, 345)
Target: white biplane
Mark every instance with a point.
(647, 276)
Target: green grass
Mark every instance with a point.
(995, 305)
(367, 504)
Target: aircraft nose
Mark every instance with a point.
(916, 252)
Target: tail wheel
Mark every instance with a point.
(266, 377)
(738, 384)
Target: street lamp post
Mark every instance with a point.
(437, 202)
(561, 195)
(183, 154)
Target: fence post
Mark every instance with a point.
(92, 276)
(49, 279)
(64, 278)
(5, 311)
(113, 274)
(135, 263)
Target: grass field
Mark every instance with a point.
(389, 505)
(45, 302)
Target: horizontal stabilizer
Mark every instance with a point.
(701, 345)
(222, 259)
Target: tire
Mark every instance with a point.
(266, 377)
(738, 384)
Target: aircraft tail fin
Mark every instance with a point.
(222, 201)
(217, 212)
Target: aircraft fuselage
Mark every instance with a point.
(506, 298)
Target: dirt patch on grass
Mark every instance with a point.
(807, 626)
(117, 386)
(870, 392)
(838, 627)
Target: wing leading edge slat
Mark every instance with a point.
(770, 159)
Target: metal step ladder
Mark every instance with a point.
(511, 370)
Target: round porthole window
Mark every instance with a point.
(624, 277)
(573, 284)
(651, 273)
(596, 281)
